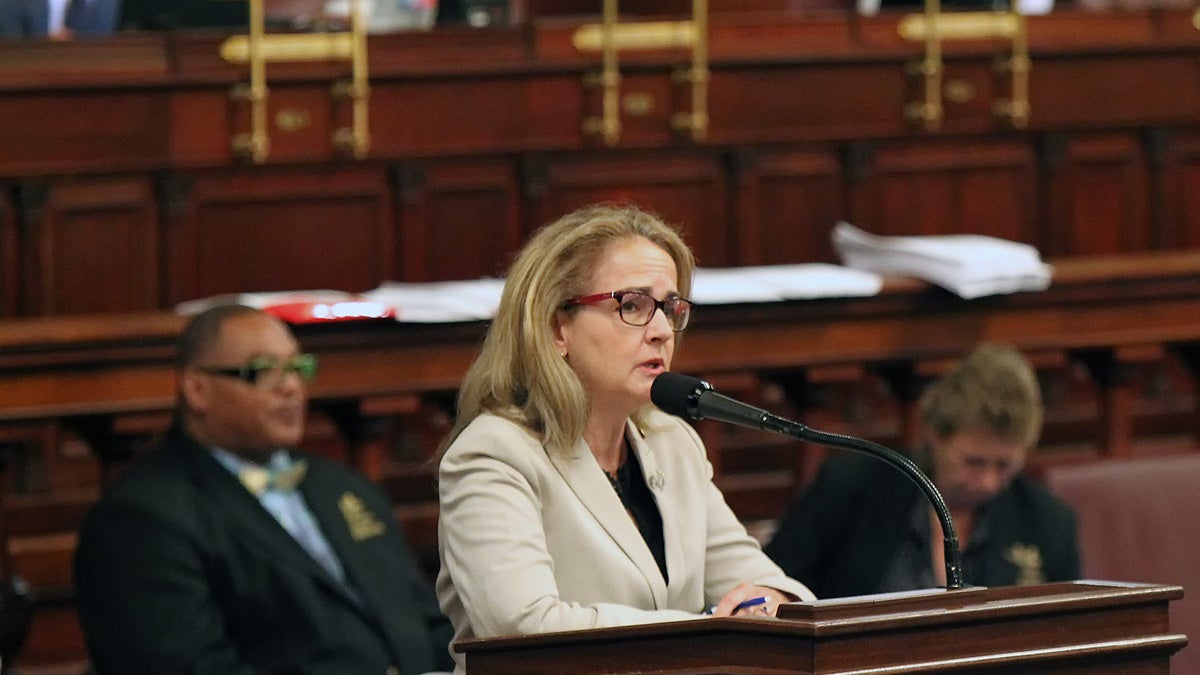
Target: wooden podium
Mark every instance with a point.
(1078, 627)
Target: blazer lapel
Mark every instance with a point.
(656, 481)
(334, 508)
(583, 475)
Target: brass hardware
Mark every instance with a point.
(357, 138)
(933, 26)
(258, 48)
(290, 47)
(697, 75)
(961, 26)
(292, 120)
(610, 37)
(638, 104)
(1017, 108)
(608, 125)
(1196, 18)
(637, 36)
(959, 91)
(256, 144)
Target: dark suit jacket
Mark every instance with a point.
(840, 535)
(180, 570)
(27, 18)
(31, 18)
(99, 18)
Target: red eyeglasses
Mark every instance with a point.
(637, 307)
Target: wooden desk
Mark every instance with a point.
(1114, 628)
(112, 365)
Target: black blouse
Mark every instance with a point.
(631, 487)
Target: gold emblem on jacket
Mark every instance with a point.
(1028, 560)
(362, 523)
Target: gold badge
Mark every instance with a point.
(362, 523)
(1028, 560)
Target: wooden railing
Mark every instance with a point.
(137, 200)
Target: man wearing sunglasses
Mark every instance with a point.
(228, 552)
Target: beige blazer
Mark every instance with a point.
(533, 541)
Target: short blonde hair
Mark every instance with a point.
(992, 389)
(519, 374)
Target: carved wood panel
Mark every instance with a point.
(941, 187)
(300, 123)
(271, 230)
(90, 245)
(1181, 191)
(785, 204)
(457, 219)
(104, 130)
(687, 189)
(1113, 90)
(470, 115)
(774, 103)
(1095, 196)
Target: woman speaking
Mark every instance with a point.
(567, 500)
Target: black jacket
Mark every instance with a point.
(181, 570)
(840, 535)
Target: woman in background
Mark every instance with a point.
(864, 527)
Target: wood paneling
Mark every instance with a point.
(1105, 90)
(201, 127)
(545, 8)
(469, 115)
(301, 120)
(10, 273)
(281, 230)
(458, 219)
(105, 130)
(939, 187)
(1181, 191)
(786, 202)
(790, 102)
(1095, 193)
(686, 188)
(479, 134)
(90, 245)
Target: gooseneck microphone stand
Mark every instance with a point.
(692, 398)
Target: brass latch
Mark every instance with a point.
(612, 37)
(258, 49)
(934, 26)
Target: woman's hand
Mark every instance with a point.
(749, 597)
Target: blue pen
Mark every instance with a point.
(745, 604)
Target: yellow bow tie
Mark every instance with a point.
(258, 479)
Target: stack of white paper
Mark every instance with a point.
(968, 265)
(440, 302)
(773, 283)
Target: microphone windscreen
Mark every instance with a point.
(676, 394)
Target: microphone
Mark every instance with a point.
(694, 399)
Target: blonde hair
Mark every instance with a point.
(519, 374)
(993, 389)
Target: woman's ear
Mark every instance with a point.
(560, 334)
